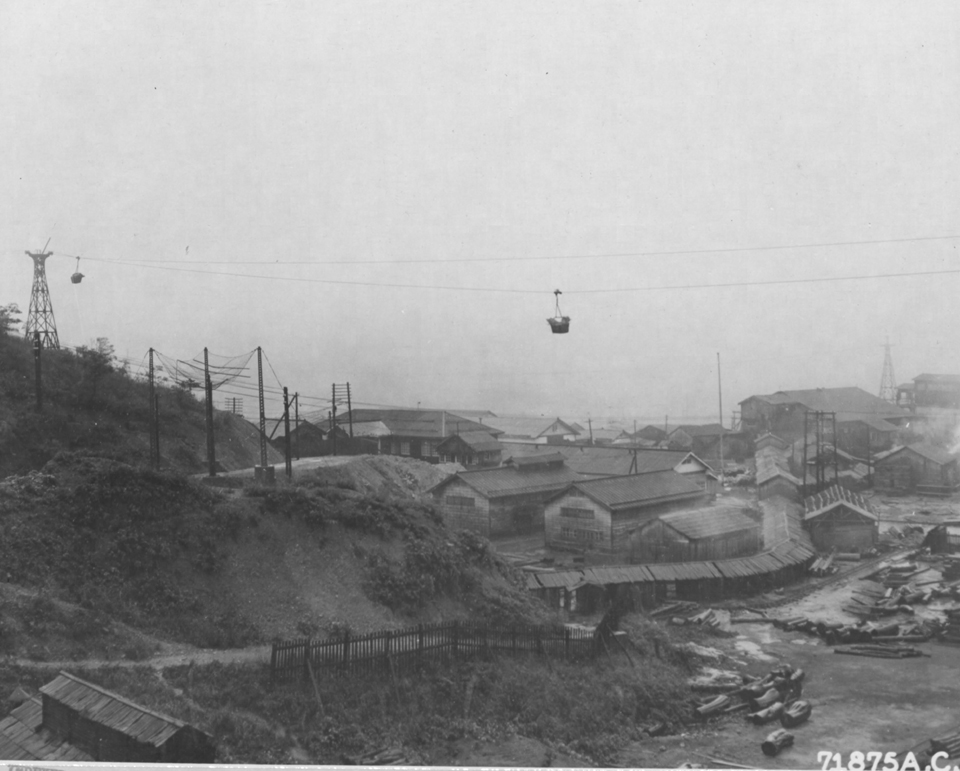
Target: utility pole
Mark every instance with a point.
(286, 429)
(720, 396)
(296, 407)
(263, 418)
(37, 348)
(208, 387)
(154, 424)
(333, 420)
(349, 410)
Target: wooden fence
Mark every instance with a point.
(405, 648)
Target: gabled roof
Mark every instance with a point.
(639, 489)
(478, 441)
(535, 459)
(710, 429)
(929, 451)
(877, 424)
(418, 424)
(620, 462)
(530, 428)
(831, 498)
(709, 521)
(112, 710)
(506, 481)
(276, 428)
(850, 399)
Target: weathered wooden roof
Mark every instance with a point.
(683, 571)
(504, 481)
(22, 737)
(709, 521)
(478, 441)
(639, 489)
(112, 710)
(834, 496)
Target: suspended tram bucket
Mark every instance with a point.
(559, 324)
(77, 277)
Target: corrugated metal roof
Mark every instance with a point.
(640, 489)
(505, 481)
(709, 521)
(112, 710)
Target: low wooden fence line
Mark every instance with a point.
(408, 648)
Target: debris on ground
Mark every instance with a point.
(383, 757)
(881, 651)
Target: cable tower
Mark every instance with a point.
(888, 383)
(40, 317)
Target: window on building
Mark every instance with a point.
(577, 534)
(404, 448)
(569, 511)
(460, 500)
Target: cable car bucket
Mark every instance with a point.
(77, 277)
(559, 324)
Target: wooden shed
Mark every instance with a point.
(840, 520)
(111, 728)
(711, 533)
(470, 449)
(917, 468)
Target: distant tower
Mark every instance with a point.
(40, 317)
(888, 383)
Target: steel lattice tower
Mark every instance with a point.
(40, 317)
(888, 383)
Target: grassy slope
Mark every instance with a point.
(92, 406)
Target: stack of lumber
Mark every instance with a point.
(823, 566)
(881, 651)
(679, 607)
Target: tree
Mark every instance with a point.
(95, 364)
(9, 319)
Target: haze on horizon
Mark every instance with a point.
(388, 193)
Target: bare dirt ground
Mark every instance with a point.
(865, 704)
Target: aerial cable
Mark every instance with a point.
(603, 255)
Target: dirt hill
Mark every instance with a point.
(181, 561)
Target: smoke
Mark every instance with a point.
(954, 447)
(940, 428)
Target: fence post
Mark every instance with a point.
(306, 659)
(456, 637)
(273, 662)
(566, 642)
(419, 643)
(346, 648)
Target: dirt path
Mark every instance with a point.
(257, 654)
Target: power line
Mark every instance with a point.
(662, 287)
(607, 255)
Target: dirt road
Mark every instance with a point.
(230, 656)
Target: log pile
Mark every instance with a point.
(823, 566)
(881, 651)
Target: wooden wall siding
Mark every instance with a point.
(845, 536)
(405, 649)
(658, 542)
(475, 518)
(104, 744)
(779, 486)
(561, 531)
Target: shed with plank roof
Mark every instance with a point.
(711, 533)
(839, 519)
(111, 728)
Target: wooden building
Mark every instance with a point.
(774, 479)
(534, 430)
(782, 413)
(944, 538)
(917, 468)
(470, 449)
(865, 436)
(413, 433)
(306, 439)
(73, 719)
(600, 514)
(840, 520)
(711, 533)
(505, 500)
(930, 390)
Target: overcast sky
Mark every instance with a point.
(269, 173)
